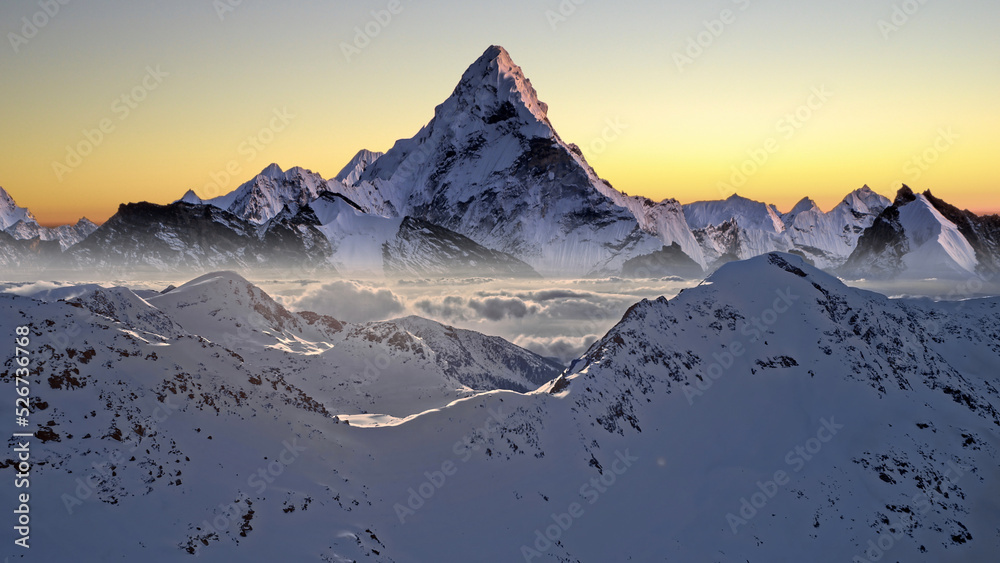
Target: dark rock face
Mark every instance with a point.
(16, 253)
(881, 248)
(727, 235)
(424, 249)
(144, 237)
(670, 261)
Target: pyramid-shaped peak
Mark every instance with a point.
(805, 204)
(191, 197)
(272, 171)
(866, 192)
(493, 82)
(6, 201)
(904, 195)
(361, 161)
(866, 200)
(497, 57)
(497, 52)
(10, 213)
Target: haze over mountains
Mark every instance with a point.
(488, 186)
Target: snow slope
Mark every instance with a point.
(10, 213)
(21, 224)
(490, 166)
(425, 359)
(351, 173)
(263, 197)
(913, 240)
(739, 228)
(752, 214)
(769, 414)
(829, 238)
(66, 235)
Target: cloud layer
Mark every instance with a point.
(558, 319)
(349, 301)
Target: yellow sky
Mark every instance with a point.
(916, 105)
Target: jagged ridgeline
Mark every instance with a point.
(488, 187)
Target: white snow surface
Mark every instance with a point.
(11, 213)
(756, 228)
(267, 194)
(351, 173)
(490, 166)
(937, 248)
(878, 412)
(22, 225)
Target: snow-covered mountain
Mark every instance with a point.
(358, 243)
(11, 213)
(912, 239)
(313, 230)
(739, 228)
(352, 172)
(66, 235)
(829, 238)
(19, 223)
(722, 405)
(751, 214)
(179, 238)
(366, 244)
(491, 167)
(26, 256)
(268, 193)
(981, 232)
(403, 366)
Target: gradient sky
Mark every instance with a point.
(895, 93)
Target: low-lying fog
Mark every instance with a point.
(555, 318)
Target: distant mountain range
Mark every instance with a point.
(489, 187)
(20, 224)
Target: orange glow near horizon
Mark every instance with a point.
(174, 111)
